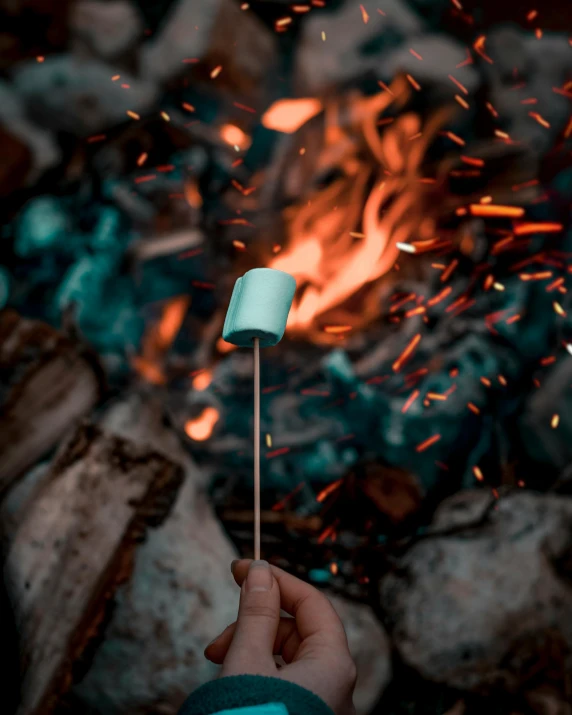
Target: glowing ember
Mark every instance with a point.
(493, 210)
(328, 490)
(524, 229)
(201, 428)
(478, 474)
(202, 380)
(234, 136)
(406, 354)
(428, 443)
(555, 421)
(288, 115)
(410, 400)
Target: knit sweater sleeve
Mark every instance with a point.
(253, 695)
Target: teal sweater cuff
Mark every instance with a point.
(238, 691)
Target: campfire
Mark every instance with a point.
(412, 172)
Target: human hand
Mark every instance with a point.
(312, 642)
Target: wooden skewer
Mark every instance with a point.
(256, 449)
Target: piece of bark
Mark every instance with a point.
(74, 544)
(47, 382)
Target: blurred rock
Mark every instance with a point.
(105, 29)
(542, 442)
(79, 96)
(528, 68)
(40, 146)
(352, 47)
(489, 605)
(43, 224)
(370, 649)
(198, 36)
(441, 57)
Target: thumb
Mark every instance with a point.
(258, 617)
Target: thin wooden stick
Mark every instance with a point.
(256, 449)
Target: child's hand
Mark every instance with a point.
(312, 642)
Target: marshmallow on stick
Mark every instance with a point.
(256, 317)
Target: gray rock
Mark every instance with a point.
(441, 57)
(45, 152)
(212, 33)
(79, 96)
(370, 649)
(491, 604)
(548, 445)
(106, 29)
(351, 47)
(542, 64)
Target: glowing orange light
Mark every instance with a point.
(328, 490)
(288, 115)
(202, 380)
(234, 136)
(526, 228)
(428, 443)
(201, 427)
(496, 210)
(406, 354)
(223, 347)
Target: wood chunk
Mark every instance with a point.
(74, 544)
(47, 382)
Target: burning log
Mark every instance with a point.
(74, 544)
(47, 382)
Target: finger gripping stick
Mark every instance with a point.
(259, 307)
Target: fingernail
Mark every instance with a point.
(233, 564)
(259, 577)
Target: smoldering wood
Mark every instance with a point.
(47, 382)
(74, 544)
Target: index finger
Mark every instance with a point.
(313, 612)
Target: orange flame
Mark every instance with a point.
(327, 253)
(158, 339)
(201, 428)
(288, 115)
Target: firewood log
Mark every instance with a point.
(47, 382)
(74, 544)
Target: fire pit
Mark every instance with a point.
(410, 166)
